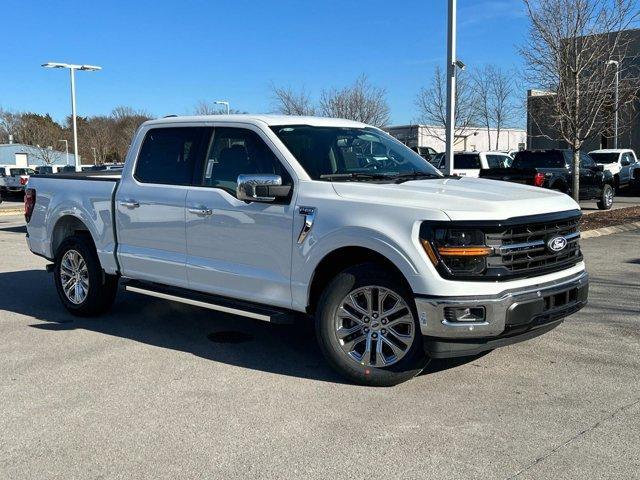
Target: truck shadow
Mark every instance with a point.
(280, 349)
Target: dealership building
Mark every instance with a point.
(473, 139)
(541, 133)
(26, 156)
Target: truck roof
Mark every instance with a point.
(261, 119)
(612, 150)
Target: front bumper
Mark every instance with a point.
(511, 316)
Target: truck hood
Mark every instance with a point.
(612, 167)
(462, 199)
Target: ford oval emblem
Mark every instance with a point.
(556, 244)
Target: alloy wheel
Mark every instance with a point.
(374, 326)
(74, 277)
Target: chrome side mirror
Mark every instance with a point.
(261, 187)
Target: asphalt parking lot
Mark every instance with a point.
(160, 390)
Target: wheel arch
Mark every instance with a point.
(339, 260)
(66, 226)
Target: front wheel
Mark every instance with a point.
(83, 287)
(605, 202)
(367, 328)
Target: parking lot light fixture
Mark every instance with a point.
(223, 102)
(72, 68)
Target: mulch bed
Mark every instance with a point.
(609, 218)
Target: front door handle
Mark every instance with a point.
(200, 211)
(130, 203)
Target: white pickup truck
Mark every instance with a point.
(14, 180)
(469, 164)
(620, 162)
(272, 217)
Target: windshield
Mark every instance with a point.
(22, 171)
(335, 153)
(604, 157)
(551, 159)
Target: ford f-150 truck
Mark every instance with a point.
(276, 217)
(554, 169)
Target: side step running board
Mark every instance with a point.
(211, 302)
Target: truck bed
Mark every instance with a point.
(63, 200)
(102, 176)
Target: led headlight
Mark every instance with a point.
(459, 251)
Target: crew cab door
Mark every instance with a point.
(235, 248)
(590, 178)
(626, 162)
(150, 205)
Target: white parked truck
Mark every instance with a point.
(620, 162)
(274, 216)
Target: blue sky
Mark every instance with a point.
(164, 56)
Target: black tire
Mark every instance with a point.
(102, 288)
(605, 201)
(413, 361)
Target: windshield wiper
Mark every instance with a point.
(356, 176)
(405, 177)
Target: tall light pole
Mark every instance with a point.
(615, 118)
(72, 69)
(223, 102)
(66, 147)
(452, 65)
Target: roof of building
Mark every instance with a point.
(421, 125)
(8, 153)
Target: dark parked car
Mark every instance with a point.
(553, 169)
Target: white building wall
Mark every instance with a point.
(474, 139)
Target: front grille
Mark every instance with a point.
(522, 250)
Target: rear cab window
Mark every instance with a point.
(466, 161)
(526, 159)
(168, 156)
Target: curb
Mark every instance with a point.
(11, 211)
(601, 232)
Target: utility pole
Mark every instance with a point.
(615, 118)
(451, 88)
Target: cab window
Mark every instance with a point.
(237, 151)
(168, 155)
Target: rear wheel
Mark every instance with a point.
(605, 202)
(367, 329)
(83, 287)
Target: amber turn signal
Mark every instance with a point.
(464, 251)
(429, 250)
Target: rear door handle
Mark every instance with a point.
(200, 211)
(130, 203)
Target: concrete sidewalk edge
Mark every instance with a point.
(11, 210)
(600, 232)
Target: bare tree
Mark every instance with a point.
(100, 135)
(290, 102)
(494, 99)
(432, 106)
(569, 45)
(9, 122)
(127, 121)
(41, 132)
(361, 102)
